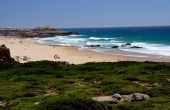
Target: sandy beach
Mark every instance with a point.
(36, 52)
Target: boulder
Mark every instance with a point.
(116, 98)
(5, 54)
(128, 44)
(136, 97)
(92, 45)
(115, 46)
(136, 47)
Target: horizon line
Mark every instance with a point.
(115, 26)
(97, 27)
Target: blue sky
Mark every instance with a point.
(84, 13)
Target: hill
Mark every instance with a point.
(47, 84)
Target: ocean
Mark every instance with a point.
(152, 40)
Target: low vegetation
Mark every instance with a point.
(47, 85)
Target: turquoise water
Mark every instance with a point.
(153, 40)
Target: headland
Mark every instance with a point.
(46, 31)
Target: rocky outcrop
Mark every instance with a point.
(117, 98)
(42, 32)
(92, 46)
(115, 47)
(46, 31)
(128, 45)
(136, 47)
(136, 97)
(5, 54)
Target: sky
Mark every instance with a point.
(84, 13)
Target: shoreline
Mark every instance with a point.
(134, 56)
(35, 52)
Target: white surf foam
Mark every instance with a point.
(118, 54)
(98, 38)
(77, 40)
(76, 35)
(148, 48)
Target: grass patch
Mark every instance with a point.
(22, 85)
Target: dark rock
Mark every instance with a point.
(127, 44)
(92, 45)
(5, 54)
(115, 46)
(124, 45)
(136, 47)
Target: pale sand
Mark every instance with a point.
(36, 52)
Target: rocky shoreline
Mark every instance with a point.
(47, 31)
(42, 34)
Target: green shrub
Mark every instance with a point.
(71, 104)
(24, 84)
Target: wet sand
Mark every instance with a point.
(135, 56)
